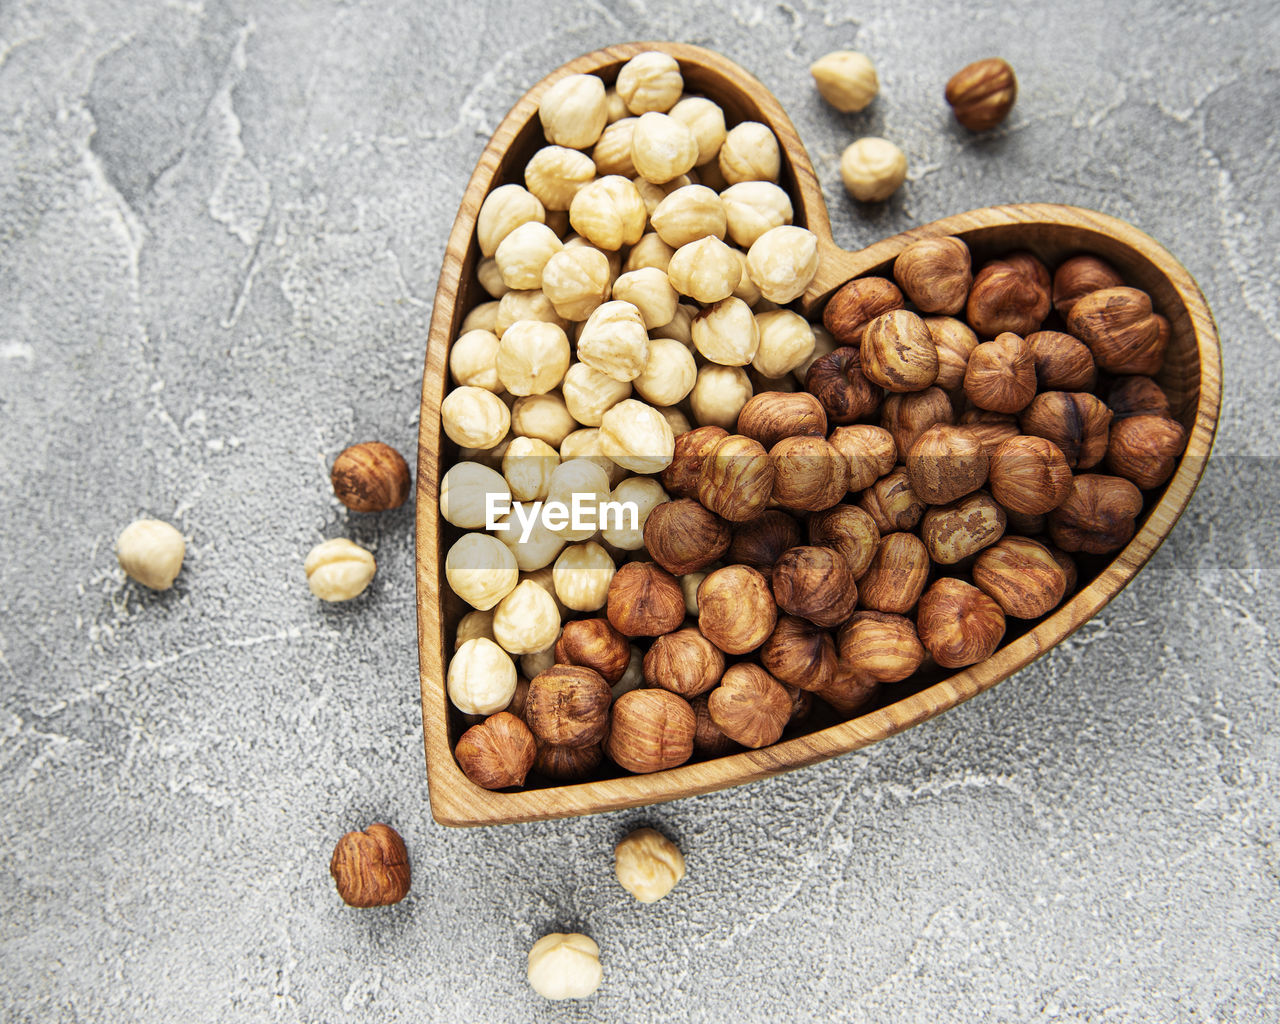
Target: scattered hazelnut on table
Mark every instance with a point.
(371, 868)
(846, 79)
(370, 477)
(565, 966)
(497, 752)
(151, 552)
(981, 94)
(648, 864)
(339, 570)
(872, 169)
(651, 730)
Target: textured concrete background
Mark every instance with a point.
(220, 228)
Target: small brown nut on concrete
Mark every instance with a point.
(498, 752)
(648, 864)
(935, 274)
(750, 706)
(816, 584)
(1145, 449)
(809, 474)
(1079, 276)
(1099, 515)
(568, 705)
(1001, 375)
(906, 417)
(371, 868)
(959, 624)
(897, 575)
(1120, 329)
(945, 464)
(684, 662)
(709, 739)
(761, 542)
(799, 653)
(567, 764)
(898, 352)
(736, 481)
(981, 94)
(594, 644)
(955, 342)
(1063, 363)
(870, 451)
(1009, 296)
(1029, 475)
(683, 536)
(736, 609)
(651, 730)
(1022, 576)
(954, 532)
(680, 479)
(1078, 423)
(848, 530)
(855, 305)
(891, 503)
(1137, 396)
(837, 381)
(880, 646)
(644, 600)
(772, 415)
(370, 477)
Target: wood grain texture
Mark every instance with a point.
(1192, 376)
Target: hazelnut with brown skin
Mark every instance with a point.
(594, 644)
(906, 417)
(684, 662)
(371, 868)
(891, 503)
(568, 706)
(958, 624)
(935, 274)
(952, 533)
(567, 764)
(370, 477)
(955, 342)
(898, 352)
(849, 691)
(497, 753)
(773, 415)
(837, 381)
(897, 575)
(809, 474)
(683, 536)
(1068, 566)
(870, 452)
(816, 584)
(709, 739)
(1029, 475)
(981, 94)
(736, 609)
(1001, 375)
(1022, 576)
(1009, 294)
(856, 304)
(1137, 396)
(880, 646)
(644, 600)
(991, 429)
(652, 730)
(1063, 363)
(1120, 329)
(736, 481)
(800, 654)
(680, 478)
(1026, 525)
(1078, 423)
(849, 531)
(801, 703)
(945, 464)
(761, 542)
(1079, 276)
(1099, 515)
(1145, 449)
(750, 706)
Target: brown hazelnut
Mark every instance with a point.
(1099, 515)
(709, 739)
(1022, 576)
(652, 730)
(497, 753)
(955, 342)
(567, 764)
(593, 643)
(808, 474)
(1121, 331)
(816, 584)
(772, 415)
(1029, 475)
(991, 429)
(801, 704)
(935, 274)
(952, 533)
(1027, 525)
(837, 381)
(1068, 566)
(519, 698)
(750, 706)
(946, 463)
(870, 452)
(1145, 449)
(1008, 295)
(761, 542)
(799, 653)
(906, 417)
(736, 481)
(568, 706)
(958, 624)
(849, 531)
(1137, 396)
(848, 691)
(1063, 363)
(898, 352)
(370, 477)
(981, 94)
(855, 305)
(684, 662)
(371, 868)
(683, 537)
(1001, 375)
(897, 574)
(891, 503)
(736, 609)
(644, 600)
(1077, 422)
(880, 646)
(1079, 276)
(680, 478)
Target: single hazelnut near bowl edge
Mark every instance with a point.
(497, 752)
(736, 609)
(1099, 515)
(339, 570)
(880, 646)
(981, 94)
(1077, 277)
(1136, 396)
(370, 477)
(652, 730)
(815, 583)
(1121, 330)
(856, 304)
(565, 966)
(594, 644)
(750, 706)
(151, 552)
(1022, 576)
(799, 653)
(371, 868)
(683, 536)
(567, 764)
(568, 705)
(1029, 475)
(644, 600)
(959, 624)
(684, 662)
(709, 739)
(935, 274)
(648, 864)
(1145, 449)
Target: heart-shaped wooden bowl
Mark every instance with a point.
(1191, 377)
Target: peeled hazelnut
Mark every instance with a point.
(906, 417)
(726, 332)
(648, 864)
(719, 394)
(1077, 422)
(736, 481)
(935, 274)
(952, 533)
(370, 477)
(845, 79)
(897, 574)
(1062, 362)
(750, 153)
(709, 739)
(870, 451)
(1099, 515)
(1008, 296)
(498, 752)
(771, 416)
(650, 81)
(946, 463)
(958, 624)
(706, 270)
(687, 214)
(837, 381)
(898, 352)
(782, 262)
(609, 212)
(800, 653)
(371, 868)
(809, 474)
(760, 542)
(750, 706)
(1029, 475)
(955, 342)
(705, 120)
(848, 530)
(991, 429)
(1022, 576)
(891, 503)
(1145, 449)
(581, 576)
(736, 609)
(683, 536)
(856, 304)
(1079, 276)
(754, 207)
(645, 600)
(816, 584)
(1121, 331)
(573, 111)
(526, 620)
(684, 662)
(503, 210)
(481, 679)
(1137, 396)
(981, 94)
(872, 169)
(1001, 375)
(880, 646)
(662, 148)
(337, 569)
(681, 477)
(651, 730)
(567, 764)
(565, 966)
(151, 551)
(568, 705)
(594, 644)
(637, 437)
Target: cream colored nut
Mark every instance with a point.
(464, 494)
(650, 81)
(846, 79)
(535, 548)
(490, 277)
(337, 570)
(545, 417)
(681, 326)
(719, 394)
(823, 344)
(753, 207)
(637, 437)
(526, 620)
(612, 154)
(589, 394)
(650, 291)
(483, 317)
(585, 444)
(503, 210)
(473, 360)
(786, 341)
(662, 148)
(650, 251)
(532, 357)
(609, 212)
(687, 214)
(652, 194)
(555, 174)
(706, 270)
(524, 252)
(727, 333)
(537, 662)
(480, 570)
(648, 864)
(632, 676)
(676, 420)
(576, 280)
(614, 256)
(669, 374)
(488, 457)
(482, 678)
(474, 417)
(689, 584)
(615, 106)
(782, 262)
(527, 467)
(872, 169)
(544, 578)
(580, 482)
(746, 289)
(520, 304)
(750, 153)
(645, 493)
(614, 341)
(472, 625)
(151, 552)
(573, 111)
(582, 574)
(565, 966)
(706, 121)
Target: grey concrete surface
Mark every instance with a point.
(220, 228)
